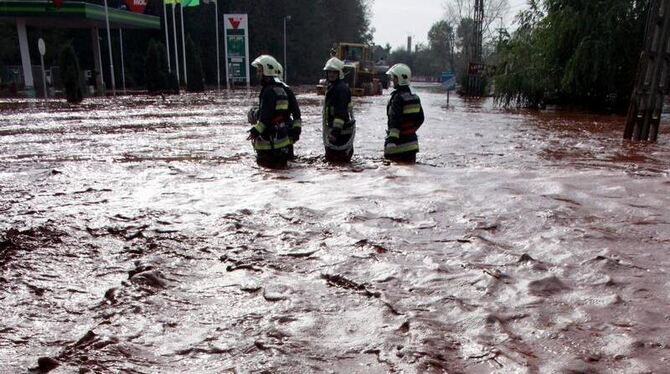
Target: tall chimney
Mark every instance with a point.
(409, 44)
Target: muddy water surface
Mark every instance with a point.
(138, 235)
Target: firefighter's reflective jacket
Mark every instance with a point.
(295, 125)
(339, 124)
(405, 116)
(272, 129)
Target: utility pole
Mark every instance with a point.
(501, 31)
(167, 38)
(452, 61)
(123, 68)
(286, 18)
(651, 84)
(475, 66)
(218, 55)
(109, 45)
(183, 42)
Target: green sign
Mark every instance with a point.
(237, 47)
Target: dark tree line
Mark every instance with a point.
(313, 28)
(565, 52)
(576, 52)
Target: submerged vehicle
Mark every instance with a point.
(360, 72)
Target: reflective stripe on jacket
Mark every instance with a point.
(273, 116)
(405, 116)
(338, 115)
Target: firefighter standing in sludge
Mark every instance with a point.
(405, 116)
(339, 126)
(270, 131)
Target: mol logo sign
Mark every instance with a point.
(236, 38)
(235, 22)
(136, 6)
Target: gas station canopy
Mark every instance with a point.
(44, 14)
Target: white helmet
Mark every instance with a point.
(280, 71)
(267, 64)
(335, 64)
(402, 72)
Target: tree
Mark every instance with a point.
(440, 39)
(460, 13)
(521, 77)
(70, 74)
(155, 68)
(195, 81)
(8, 44)
(581, 52)
(458, 10)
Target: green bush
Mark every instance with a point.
(194, 67)
(156, 74)
(173, 83)
(579, 52)
(70, 73)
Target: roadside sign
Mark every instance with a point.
(43, 50)
(136, 6)
(236, 39)
(448, 80)
(41, 46)
(476, 68)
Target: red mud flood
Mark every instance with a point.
(138, 235)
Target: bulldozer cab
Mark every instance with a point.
(349, 52)
(359, 69)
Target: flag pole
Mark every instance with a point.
(176, 50)
(225, 56)
(109, 44)
(167, 37)
(218, 64)
(123, 68)
(183, 42)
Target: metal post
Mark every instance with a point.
(646, 103)
(43, 49)
(99, 76)
(25, 54)
(475, 57)
(167, 38)
(123, 68)
(286, 18)
(109, 45)
(44, 75)
(176, 50)
(225, 51)
(246, 53)
(183, 43)
(218, 64)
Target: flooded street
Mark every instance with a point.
(137, 235)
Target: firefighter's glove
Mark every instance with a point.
(252, 115)
(392, 135)
(253, 134)
(295, 134)
(390, 140)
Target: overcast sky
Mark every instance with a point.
(394, 20)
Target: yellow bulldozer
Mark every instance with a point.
(360, 72)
